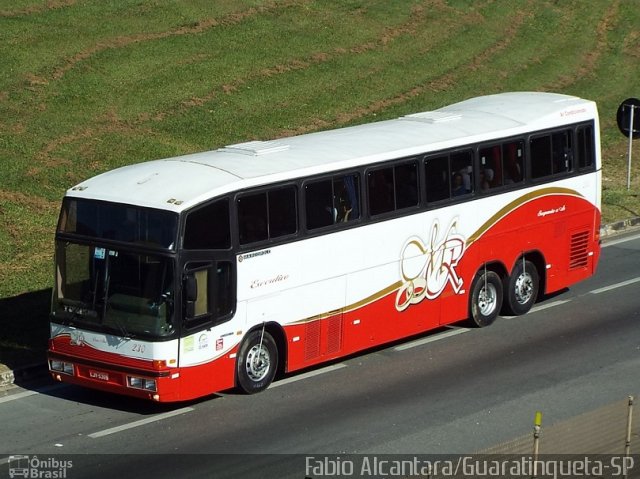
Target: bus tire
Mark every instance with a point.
(257, 362)
(486, 298)
(521, 288)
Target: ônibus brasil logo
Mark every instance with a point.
(426, 269)
(34, 467)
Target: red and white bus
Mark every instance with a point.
(180, 277)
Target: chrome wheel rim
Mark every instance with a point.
(524, 288)
(258, 363)
(487, 299)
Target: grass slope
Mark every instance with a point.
(93, 85)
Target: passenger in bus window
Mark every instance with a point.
(485, 178)
(512, 163)
(466, 173)
(350, 195)
(345, 211)
(457, 187)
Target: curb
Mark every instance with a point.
(619, 227)
(22, 374)
(37, 370)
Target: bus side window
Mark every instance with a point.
(282, 212)
(461, 173)
(346, 191)
(208, 227)
(267, 215)
(501, 165)
(201, 303)
(393, 188)
(490, 174)
(319, 210)
(224, 292)
(540, 148)
(380, 190)
(513, 155)
(562, 153)
(333, 200)
(196, 296)
(208, 293)
(551, 154)
(252, 218)
(406, 185)
(437, 178)
(585, 147)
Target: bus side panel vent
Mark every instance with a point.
(334, 334)
(579, 253)
(312, 340)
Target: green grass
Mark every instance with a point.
(93, 85)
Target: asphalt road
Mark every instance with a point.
(455, 390)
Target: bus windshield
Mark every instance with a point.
(105, 289)
(119, 222)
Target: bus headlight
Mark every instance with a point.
(150, 385)
(135, 382)
(142, 383)
(61, 366)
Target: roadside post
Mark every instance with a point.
(627, 442)
(537, 426)
(628, 119)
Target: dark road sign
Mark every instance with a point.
(624, 117)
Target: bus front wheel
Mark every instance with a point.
(522, 288)
(486, 298)
(257, 362)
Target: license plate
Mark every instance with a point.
(99, 375)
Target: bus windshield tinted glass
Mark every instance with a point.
(128, 294)
(120, 222)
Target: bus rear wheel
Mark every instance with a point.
(486, 298)
(522, 288)
(257, 362)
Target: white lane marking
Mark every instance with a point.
(24, 394)
(310, 374)
(430, 339)
(21, 395)
(615, 286)
(141, 422)
(621, 240)
(549, 305)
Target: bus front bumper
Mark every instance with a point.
(155, 385)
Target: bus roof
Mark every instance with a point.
(180, 182)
